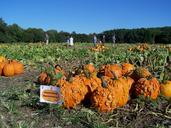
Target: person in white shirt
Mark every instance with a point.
(71, 41)
(114, 39)
(47, 38)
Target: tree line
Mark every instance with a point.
(14, 33)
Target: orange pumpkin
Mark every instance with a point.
(0, 71)
(58, 69)
(8, 69)
(148, 87)
(2, 59)
(44, 78)
(111, 70)
(18, 67)
(90, 68)
(140, 73)
(2, 64)
(73, 92)
(127, 69)
(112, 94)
(166, 89)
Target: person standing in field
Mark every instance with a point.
(94, 40)
(114, 39)
(71, 41)
(103, 39)
(47, 38)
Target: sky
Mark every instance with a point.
(86, 16)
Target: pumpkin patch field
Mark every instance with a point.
(126, 85)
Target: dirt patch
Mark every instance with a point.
(18, 80)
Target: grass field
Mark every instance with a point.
(19, 99)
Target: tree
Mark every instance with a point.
(53, 35)
(15, 33)
(3, 31)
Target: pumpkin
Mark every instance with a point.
(53, 75)
(59, 69)
(148, 87)
(2, 64)
(126, 83)
(44, 78)
(18, 67)
(104, 99)
(95, 82)
(127, 69)
(2, 59)
(0, 71)
(90, 68)
(60, 81)
(8, 69)
(140, 73)
(111, 70)
(73, 92)
(166, 89)
(112, 94)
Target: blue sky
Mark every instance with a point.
(86, 16)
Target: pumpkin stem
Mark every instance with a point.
(104, 83)
(58, 65)
(69, 77)
(115, 77)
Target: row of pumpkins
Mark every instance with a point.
(107, 88)
(99, 48)
(10, 67)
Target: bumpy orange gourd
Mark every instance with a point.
(8, 69)
(147, 87)
(111, 70)
(113, 94)
(73, 92)
(166, 89)
(95, 82)
(127, 69)
(90, 68)
(126, 83)
(18, 67)
(140, 72)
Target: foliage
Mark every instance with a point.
(14, 33)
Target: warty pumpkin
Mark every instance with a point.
(73, 92)
(110, 70)
(90, 68)
(127, 69)
(140, 72)
(148, 87)
(115, 93)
